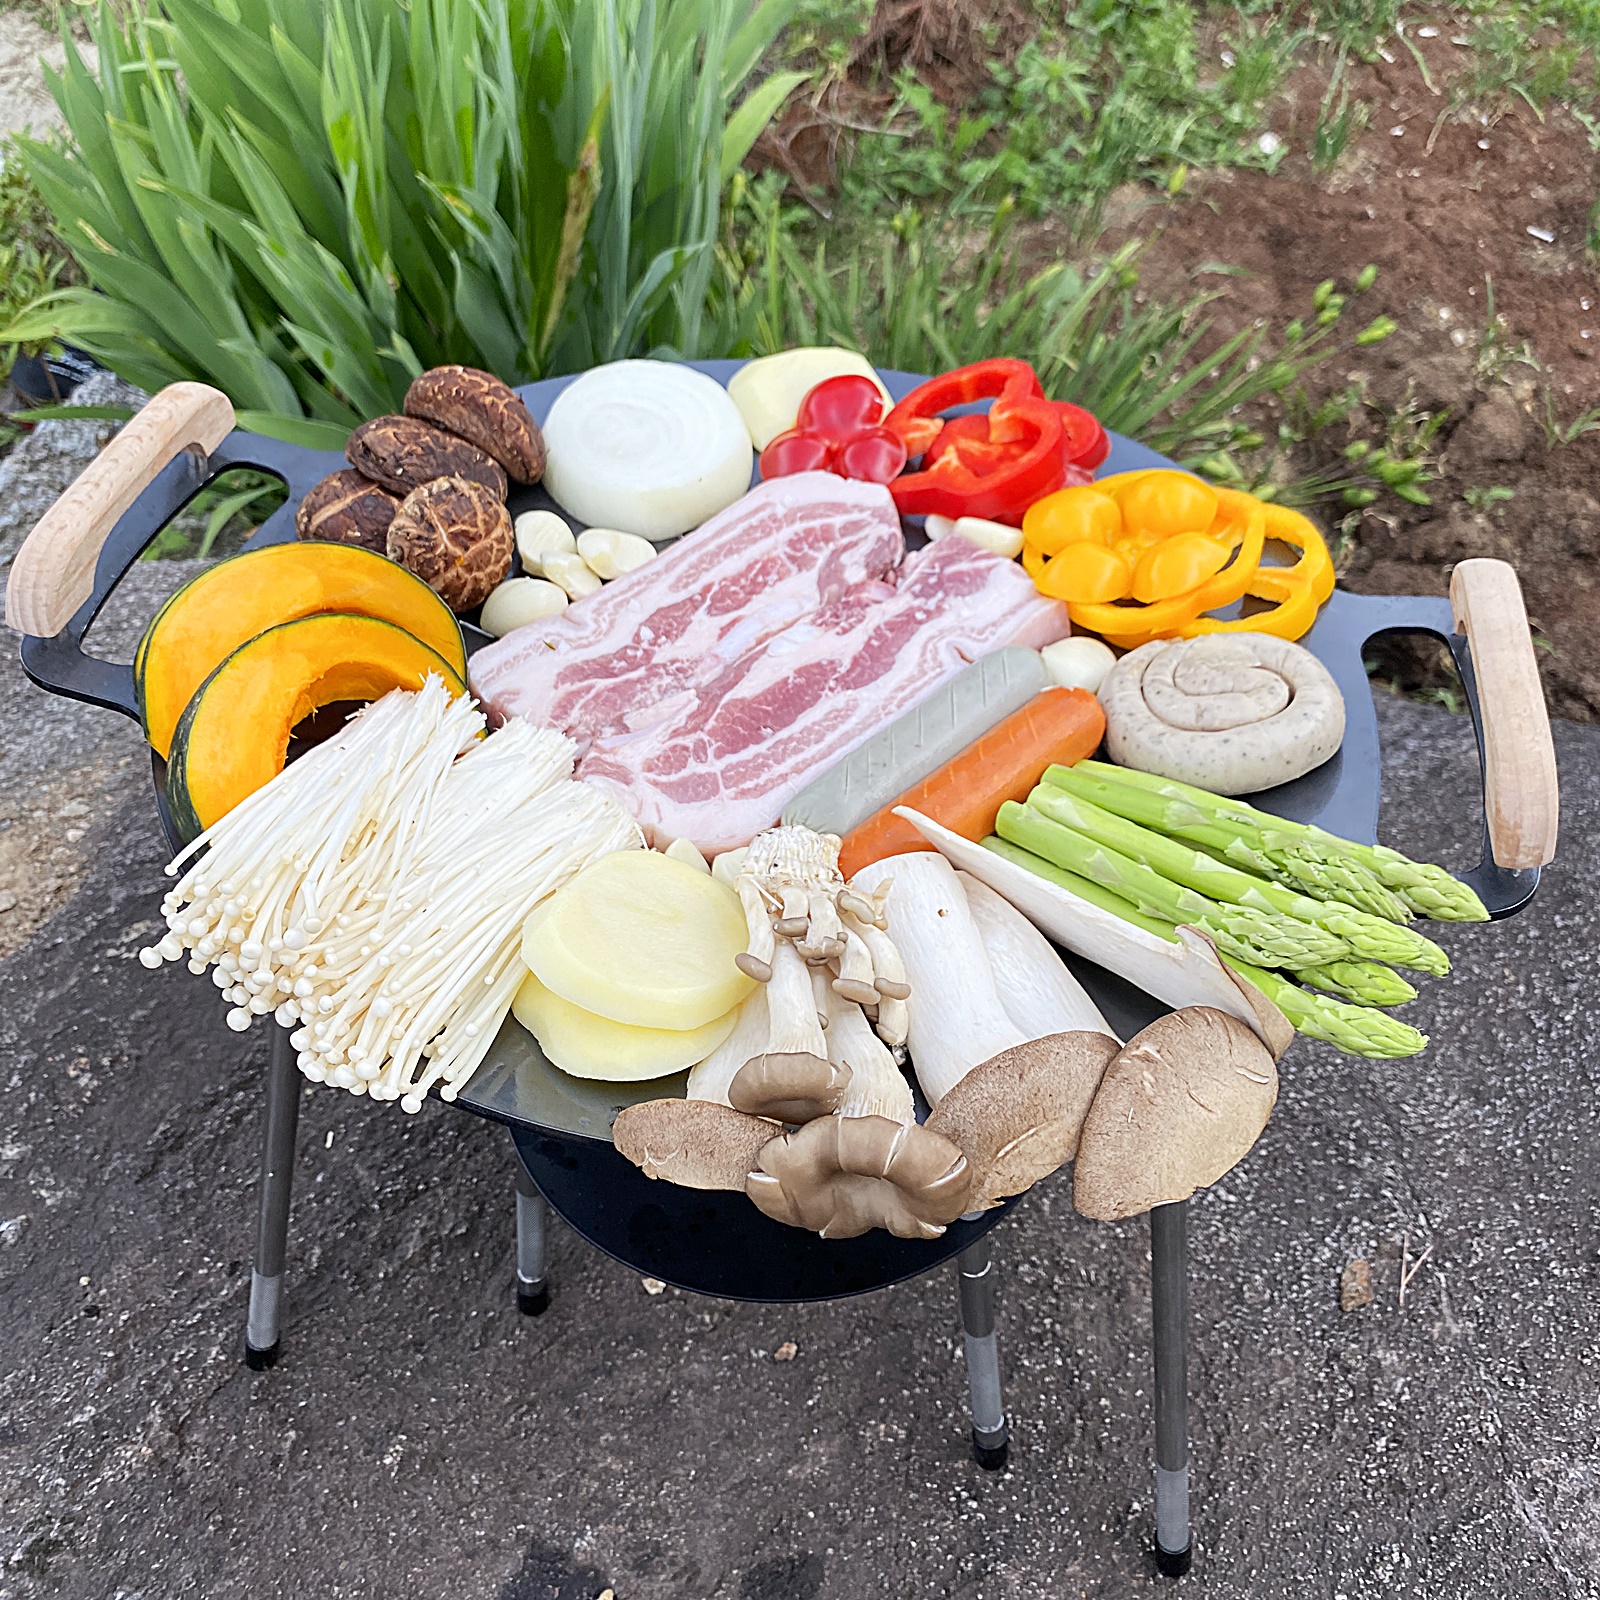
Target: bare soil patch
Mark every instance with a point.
(1443, 207)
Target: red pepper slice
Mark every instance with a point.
(998, 476)
(837, 409)
(795, 451)
(1087, 443)
(872, 456)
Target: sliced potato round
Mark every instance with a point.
(643, 939)
(589, 1046)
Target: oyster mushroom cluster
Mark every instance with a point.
(428, 488)
(805, 1108)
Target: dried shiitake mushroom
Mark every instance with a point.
(478, 407)
(403, 453)
(347, 508)
(456, 536)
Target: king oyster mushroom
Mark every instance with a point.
(1011, 1097)
(1181, 1103)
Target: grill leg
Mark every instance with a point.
(261, 1334)
(990, 1435)
(533, 1216)
(1169, 1301)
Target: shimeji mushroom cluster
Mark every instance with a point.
(374, 893)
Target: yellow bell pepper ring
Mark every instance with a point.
(1295, 611)
(1298, 531)
(1077, 513)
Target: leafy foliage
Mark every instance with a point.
(307, 202)
(926, 298)
(31, 259)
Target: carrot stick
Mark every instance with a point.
(966, 793)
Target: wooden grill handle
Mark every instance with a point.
(1521, 794)
(53, 573)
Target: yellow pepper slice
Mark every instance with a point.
(1070, 516)
(1162, 618)
(1084, 571)
(1173, 567)
(1034, 561)
(1315, 565)
(1167, 503)
(1295, 611)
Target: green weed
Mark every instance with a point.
(1557, 432)
(1488, 500)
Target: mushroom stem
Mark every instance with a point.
(710, 1079)
(958, 1020)
(888, 970)
(756, 961)
(792, 1079)
(855, 972)
(877, 1087)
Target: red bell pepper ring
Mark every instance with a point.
(1020, 460)
(1087, 443)
(838, 429)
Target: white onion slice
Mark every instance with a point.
(647, 447)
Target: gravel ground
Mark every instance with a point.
(419, 1438)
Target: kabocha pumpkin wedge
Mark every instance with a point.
(234, 733)
(230, 603)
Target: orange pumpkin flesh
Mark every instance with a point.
(233, 735)
(232, 602)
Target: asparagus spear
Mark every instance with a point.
(1243, 931)
(1428, 890)
(1357, 1030)
(1367, 936)
(1248, 841)
(1368, 983)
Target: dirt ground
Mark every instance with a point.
(1441, 208)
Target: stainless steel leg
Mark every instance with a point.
(261, 1335)
(990, 1435)
(533, 1216)
(1169, 1302)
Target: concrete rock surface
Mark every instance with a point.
(418, 1439)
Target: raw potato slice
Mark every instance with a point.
(588, 1046)
(643, 939)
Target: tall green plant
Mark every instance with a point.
(307, 202)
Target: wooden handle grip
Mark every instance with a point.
(53, 573)
(1521, 795)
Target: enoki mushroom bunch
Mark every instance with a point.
(374, 892)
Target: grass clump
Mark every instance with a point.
(307, 202)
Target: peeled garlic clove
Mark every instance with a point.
(572, 572)
(937, 527)
(688, 852)
(542, 533)
(519, 601)
(610, 553)
(994, 537)
(727, 866)
(1078, 663)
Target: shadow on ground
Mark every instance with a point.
(418, 1439)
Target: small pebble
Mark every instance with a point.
(653, 1286)
(786, 1351)
(1355, 1285)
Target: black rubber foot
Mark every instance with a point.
(991, 1457)
(260, 1360)
(1174, 1563)
(533, 1302)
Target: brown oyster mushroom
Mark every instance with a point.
(696, 1144)
(1181, 1103)
(403, 453)
(1017, 1117)
(478, 407)
(347, 508)
(840, 1176)
(456, 536)
(792, 1079)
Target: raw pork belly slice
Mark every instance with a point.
(636, 651)
(723, 768)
